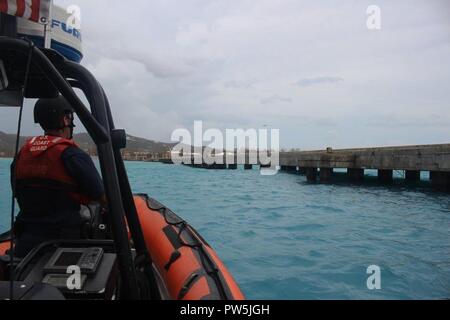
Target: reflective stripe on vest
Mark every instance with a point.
(39, 164)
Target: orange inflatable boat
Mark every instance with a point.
(3, 247)
(189, 267)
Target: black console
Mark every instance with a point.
(87, 259)
(80, 270)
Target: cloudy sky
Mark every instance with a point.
(309, 68)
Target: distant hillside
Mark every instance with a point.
(134, 144)
(8, 143)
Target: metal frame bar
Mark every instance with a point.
(131, 213)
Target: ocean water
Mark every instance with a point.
(284, 238)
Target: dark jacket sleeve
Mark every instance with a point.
(82, 169)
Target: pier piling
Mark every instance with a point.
(355, 175)
(385, 176)
(440, 180)
(311, 174)
(325, 174)
(412, 175)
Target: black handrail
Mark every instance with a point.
(131, 213)
(109, 172)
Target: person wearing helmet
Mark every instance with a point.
(53, 178)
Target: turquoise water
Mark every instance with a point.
(283, 238)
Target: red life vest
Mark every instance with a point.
(39, 164)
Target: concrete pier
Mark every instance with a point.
(232, 166)
(411, 159)
(419, 158)
(248, 167)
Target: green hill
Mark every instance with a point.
(134, 144)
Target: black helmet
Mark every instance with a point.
(49, 112)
